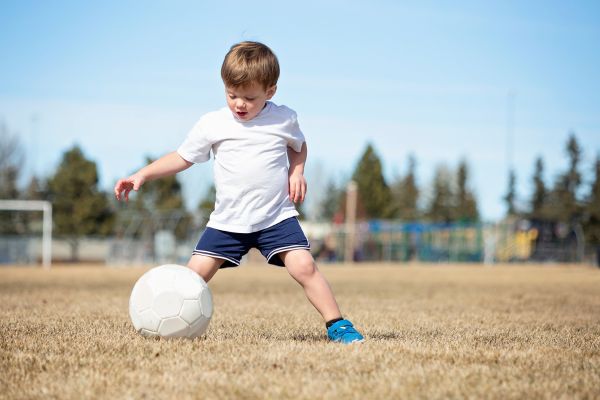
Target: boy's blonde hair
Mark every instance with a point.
(250, 62)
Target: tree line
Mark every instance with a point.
(81, 208)
(569, 199)
(451, 198)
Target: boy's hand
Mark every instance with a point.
(297, 187)
(124, 186)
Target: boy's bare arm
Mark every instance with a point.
(297, 183)
(169, 164)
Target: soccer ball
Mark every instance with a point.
(170, 301)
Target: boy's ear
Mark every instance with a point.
(271, 92)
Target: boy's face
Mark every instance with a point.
(246, 102)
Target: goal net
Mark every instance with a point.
(17, 247)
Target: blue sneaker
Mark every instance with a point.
(343, 332)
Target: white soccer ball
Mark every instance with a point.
(170, 301)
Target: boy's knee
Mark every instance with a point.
(303, 269)
(204, 266)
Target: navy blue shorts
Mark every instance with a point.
(231, 246)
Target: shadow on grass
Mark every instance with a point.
(321, 338)
(385, 336)
(310, 337)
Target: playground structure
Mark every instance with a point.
(507, 241)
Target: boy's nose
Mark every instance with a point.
(241, 104)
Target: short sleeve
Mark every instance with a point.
(296, 137)
(196, 146)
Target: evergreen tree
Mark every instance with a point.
(79, 208)
(35, 190)
(592, 220)
(405, 194)
(331, 203)
(207, 204)
(573, 176)
(160, 194)
(373, 192)
(466, 205)
(538, 198)
(511, 194)
(564, 205)
(441, 206)
(164, 197)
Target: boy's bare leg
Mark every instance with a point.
(301, 266)
(205, 266)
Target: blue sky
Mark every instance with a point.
(128, 79)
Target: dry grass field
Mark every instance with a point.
(432, 332)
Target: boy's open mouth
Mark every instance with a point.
(241, 114)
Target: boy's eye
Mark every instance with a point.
(250, 98)
(231, 96)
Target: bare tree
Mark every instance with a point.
(11, 161)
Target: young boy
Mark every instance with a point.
(252, 140)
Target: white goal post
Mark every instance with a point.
(36, 205)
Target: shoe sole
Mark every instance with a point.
(352, 342)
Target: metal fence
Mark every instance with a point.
(374, 241)
(507, 241)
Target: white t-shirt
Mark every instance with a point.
(251, 165)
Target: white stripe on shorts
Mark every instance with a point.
(215, 255)
(286, 248)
